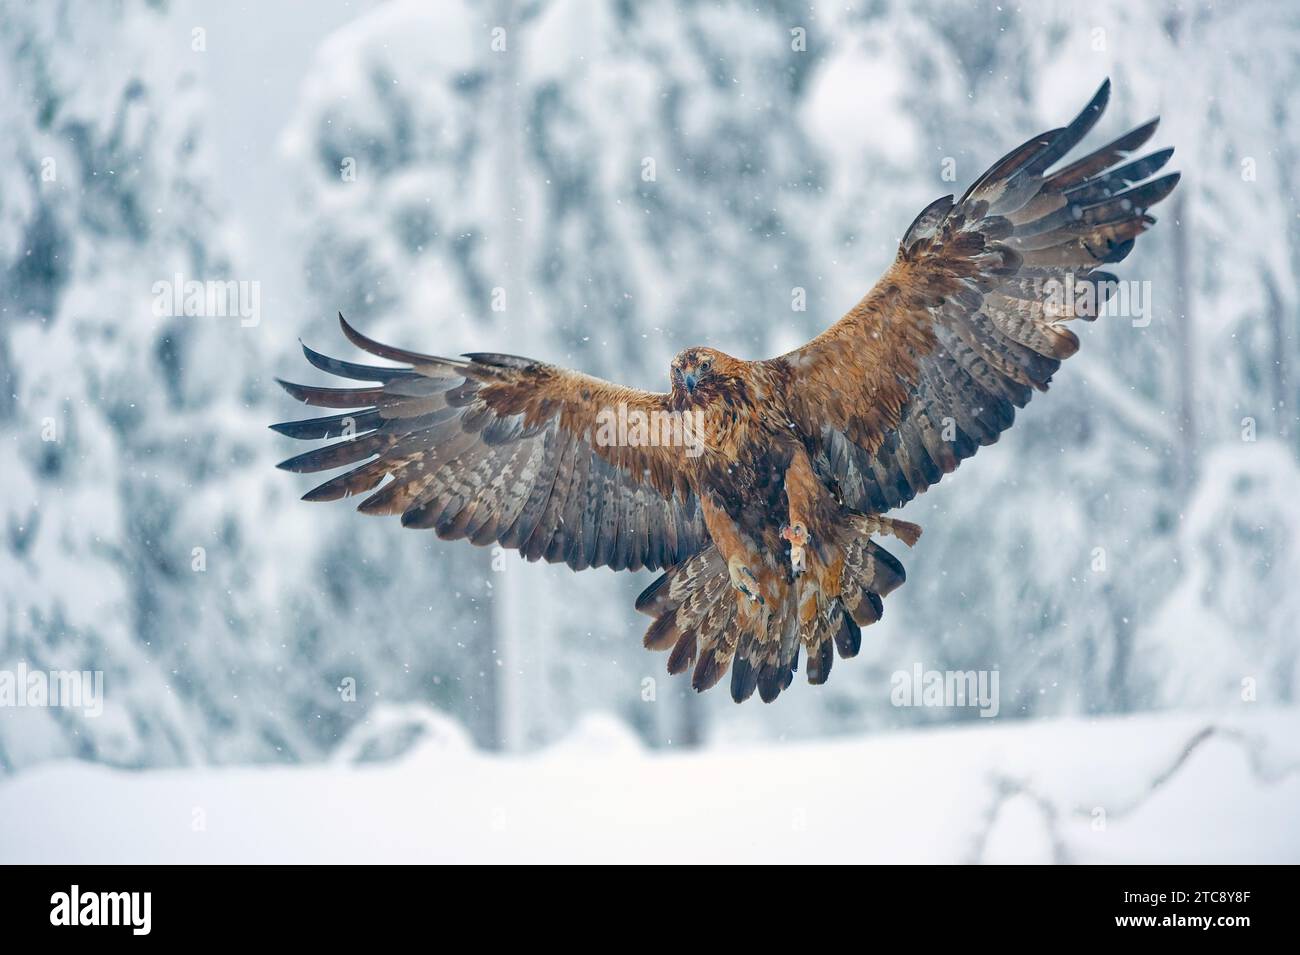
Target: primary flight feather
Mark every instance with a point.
(763, 509)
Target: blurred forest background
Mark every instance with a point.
(1126, 546)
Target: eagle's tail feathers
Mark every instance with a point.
(697, 620)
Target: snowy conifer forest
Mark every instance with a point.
(600, 184)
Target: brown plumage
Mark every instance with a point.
(757, 487)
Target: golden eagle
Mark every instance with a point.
(757, 486)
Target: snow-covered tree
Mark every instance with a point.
(120, 424)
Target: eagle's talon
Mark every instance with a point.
(738, 571)
(797, 535)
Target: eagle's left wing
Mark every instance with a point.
(500, 449)
(966, 323)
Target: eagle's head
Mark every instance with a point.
(701, 370)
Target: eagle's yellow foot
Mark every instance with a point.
(743, 579)
(797, 535)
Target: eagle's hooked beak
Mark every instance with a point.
(690, 379)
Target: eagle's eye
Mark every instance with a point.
(705, 366)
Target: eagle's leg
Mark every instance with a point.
(905, 531)
(743, 579)
(810, 506)
(796, 532)
(739, 551)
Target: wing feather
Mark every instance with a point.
(499, 449)
(967, 322)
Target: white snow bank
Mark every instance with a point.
(1156, 788)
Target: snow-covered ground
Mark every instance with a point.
(1177, 787)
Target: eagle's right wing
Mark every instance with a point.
(501, 449)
